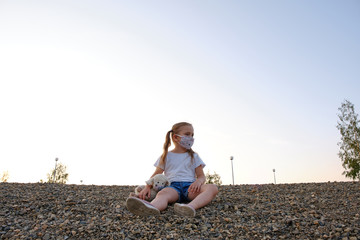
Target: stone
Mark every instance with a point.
(282, 211)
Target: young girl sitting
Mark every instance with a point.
(184, 170)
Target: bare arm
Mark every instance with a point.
(200, 180)
(157, 171)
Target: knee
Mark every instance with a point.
(161, 194)
(213, 189)
(167, 195)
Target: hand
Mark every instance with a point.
(145, 193)
(195, 187)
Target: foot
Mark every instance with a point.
(184, 210)
(141, 207)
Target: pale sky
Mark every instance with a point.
(99, 83)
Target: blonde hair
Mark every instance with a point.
(174, 130)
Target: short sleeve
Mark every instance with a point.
(199, 161)
(157, 164)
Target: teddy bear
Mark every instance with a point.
(158, 182)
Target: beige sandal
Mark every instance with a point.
(141, 207)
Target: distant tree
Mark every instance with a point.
(5, 176)
(350, 138)
(213, 178)
(58, 174)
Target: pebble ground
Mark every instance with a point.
(282, 211)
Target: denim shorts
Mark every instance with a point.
(182, 189)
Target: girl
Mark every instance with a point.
(184, 170)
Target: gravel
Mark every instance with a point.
(282, 211)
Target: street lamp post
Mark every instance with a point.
(56, 159)
(274, 176)
(232, 168)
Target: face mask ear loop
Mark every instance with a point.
(179, 136)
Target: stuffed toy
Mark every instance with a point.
(158, 182)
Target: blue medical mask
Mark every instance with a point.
(186, 141)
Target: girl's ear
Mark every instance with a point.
(175, 138)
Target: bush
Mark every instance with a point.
(213, 178)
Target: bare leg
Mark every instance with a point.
(164, 197)
(204, 197)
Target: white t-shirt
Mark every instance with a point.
(179, 167)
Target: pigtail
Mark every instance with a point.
(191, 153)
(167, 144)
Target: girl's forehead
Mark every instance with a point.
(186, 129)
